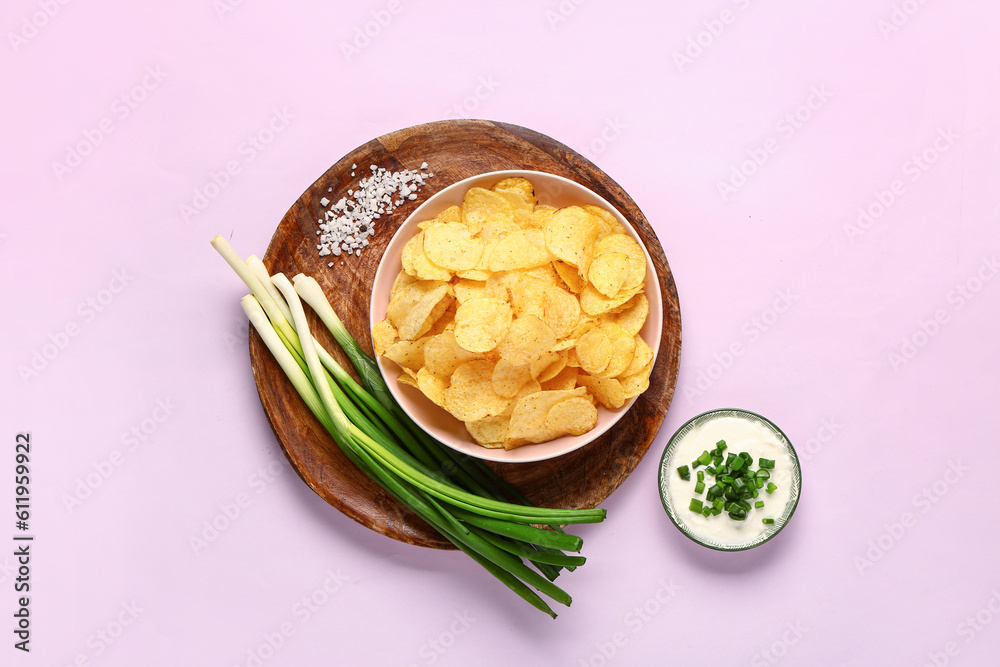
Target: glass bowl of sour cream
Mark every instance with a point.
(747, 435)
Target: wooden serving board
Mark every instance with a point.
(453, 150)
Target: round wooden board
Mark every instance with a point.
(453, 150)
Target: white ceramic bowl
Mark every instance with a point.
(550, 189)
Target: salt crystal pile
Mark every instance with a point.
(347, 224)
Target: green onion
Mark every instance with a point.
(684, 472)
(771, 487)
(696, 505)
(767, 520)
(705, 458)
(759, 504)
(721, 444)
(699, 487)
(467, 503)
(766, 463)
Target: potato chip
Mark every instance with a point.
(407, 353)
(411, 308)
(570, 236)
(573, 416)
(594, 303)
(383, 335)
(508, 378)
(523, 249)
(527, 294)
(518, 187)
(527, 339)
(622, 352)
(416, 263)
(480, 206)
(450, 214)
(570, 275)
(480, 324)
(607, 391)
(466, 289)
(609, 223)
(450, 245)
(433, 386)
(607, 272)
(470, 395)
(530, 387)
(564, 380)
(540, 216)
(527, 421)
(406, 378)
(443, 354)
(635, 384)
(628, 246)
(643, 355)
(560, 311)
(549, 364)
(489, 432)
(593, 350)
(633, 316)
(520, 193)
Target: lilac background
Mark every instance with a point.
(855, 337)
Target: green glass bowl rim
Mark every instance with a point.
(796, 476)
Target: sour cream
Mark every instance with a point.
(743, 432)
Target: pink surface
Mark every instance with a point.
(821, 177)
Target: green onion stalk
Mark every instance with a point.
(459, 496)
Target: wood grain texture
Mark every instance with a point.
(454, 150)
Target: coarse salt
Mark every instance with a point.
(348, 223)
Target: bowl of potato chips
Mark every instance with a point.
(515, 316)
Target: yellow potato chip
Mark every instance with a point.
(549, 364)
(628, 246)
(560, 310)
(466, 289)
(607, 391)
(540, 216)
(594, 303)
(518, 187)
(570, 236)
(407, 353)
(443, 354)
(508, 378)
(527, 339)
(636, 383)
(450, 245)
(527, 294)
(416, 263)
(564, 380)
(643, 355)
(530, 387)
(573, 416)
(593, 350)
(433, 386)
(520, 193)
(527, 421)
(450, 214)
(622, 352)
(480, 206)
(609, 223)
(480, 324)
(633, 316)
(607, 272)
(383, 335)
(470, 395)
(406, 378)
(570, 276)
(415, 307)
(489, 432)
(523, 249)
